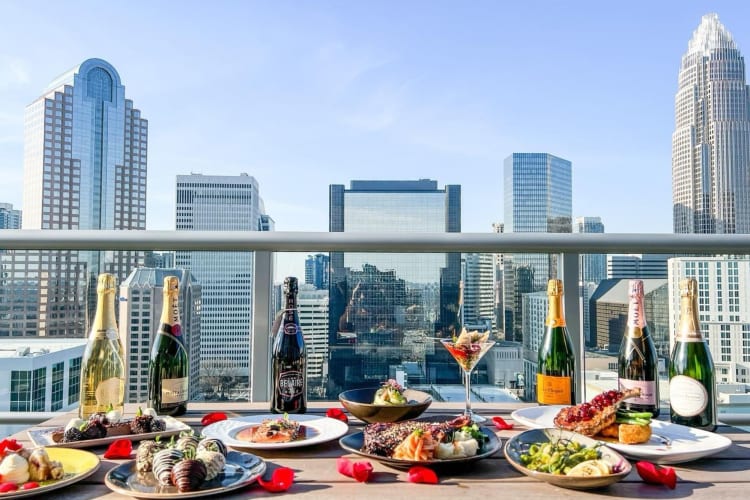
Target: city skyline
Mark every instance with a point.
(379, 100)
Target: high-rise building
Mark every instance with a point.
(637, 266)
(497, 260)
(312, 305)
(479, 292)
(534, 310)
(711, 141)
(386, 307)
(221, 203)
(723, 310)
(316, 270)
(141, 301)
(593, 267)
(9, 218)
(85, 161)
(538, 199)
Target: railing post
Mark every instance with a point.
(260, 343)
(570, 278)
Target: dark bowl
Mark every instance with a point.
(359, 403)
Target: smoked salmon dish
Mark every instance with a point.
(277, 430)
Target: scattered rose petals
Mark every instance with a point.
(501, 424)
(6, 487)
(419, 474)
(655, 474)
(337, 414)
(281, 479)
(213, 417)
(120, 448)
(360, 470)
(30, 485)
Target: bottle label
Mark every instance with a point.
(110, 391)
(648, 391)
(174, 390)
(552, 390)
(290, 384)
(687, 396)
(290, 329)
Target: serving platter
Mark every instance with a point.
(42, 436)
(241, 469)
(520, 443)
(669, 444)
(77, 465)
(317, 430)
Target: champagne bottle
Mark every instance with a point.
(289, 377)
(692, 386)
(638, 364)
(556, 369)
(103, 363)
(168, 367)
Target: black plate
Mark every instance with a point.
(354, 442)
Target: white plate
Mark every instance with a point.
(669, 443)
(42, 436)
(323, 429)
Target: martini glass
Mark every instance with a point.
(467, 355)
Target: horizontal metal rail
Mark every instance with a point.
(290, 241)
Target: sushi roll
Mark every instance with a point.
(214, 462)
(163, 463)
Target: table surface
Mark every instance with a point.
(726, 475)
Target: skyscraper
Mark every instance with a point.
(479, 291)
(538, 199)
(316, 270)
(141, 301)
(385, 307)
(85, 160)
(9, 218)
(312, 305)
(711, 141)
(593, 266)
(222, 203)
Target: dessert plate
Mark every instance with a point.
(316, 430)
(519, 445)
(77, 464)
(42, 436)
(669, 443)
(240, 470)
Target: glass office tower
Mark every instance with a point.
(386, 308)
(538, 199)
(711, 141)
(85, 160)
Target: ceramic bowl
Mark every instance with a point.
(359, 403)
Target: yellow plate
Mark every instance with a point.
(77, 464)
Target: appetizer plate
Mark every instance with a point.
(669, 443)
(317, 430)
(520, 444)
(42, 436)
(354, 442)
(240, 470)
(77, 464)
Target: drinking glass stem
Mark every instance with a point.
(467, 380)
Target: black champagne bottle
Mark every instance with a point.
(289, 377)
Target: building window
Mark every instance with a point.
(74, 380)
(58, 372)
(726, 344)
(20, 390)
(38, 389)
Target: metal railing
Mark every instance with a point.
(264, 244)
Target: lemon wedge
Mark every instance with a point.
(590, 468)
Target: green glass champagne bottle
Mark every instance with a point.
(556, 368)
(168, 367)
(692, 386)
(638, 364)
(103, 363)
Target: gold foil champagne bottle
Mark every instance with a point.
(556, 368)
(692, 386)
(103, 365)
(168, 367)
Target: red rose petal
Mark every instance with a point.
(281, 479)
(419, 474)
(501, 424)
(337, 414)
(6, 487)
(655, 474)
(120, 448)
(361, 470)
(213, 417)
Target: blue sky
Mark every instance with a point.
(305, 94)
